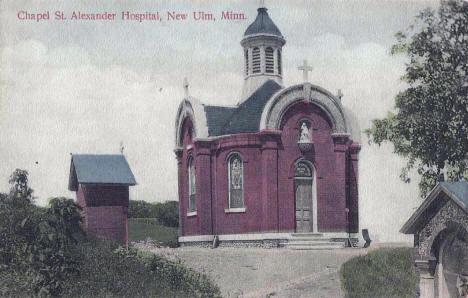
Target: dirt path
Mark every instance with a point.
(253, 272)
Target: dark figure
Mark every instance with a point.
(215, 242)
(365, 235)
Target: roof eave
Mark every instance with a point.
(410, 225)
(456, 199)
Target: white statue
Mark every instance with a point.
(305, 135)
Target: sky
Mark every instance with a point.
(78, 86)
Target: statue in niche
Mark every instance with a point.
(305, 134)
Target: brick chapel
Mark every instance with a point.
(282, 162)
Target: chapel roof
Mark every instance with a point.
(456, 191)
(262, 24)
(99, 169)
(243, 118)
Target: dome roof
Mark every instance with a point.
(262, 24)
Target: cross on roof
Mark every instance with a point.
(186, 85)
(305, 71)
(121, 147)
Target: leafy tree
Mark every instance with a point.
(141, 209)
(35, 246)
(430, 126)
(168, 213)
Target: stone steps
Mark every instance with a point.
(310, 241)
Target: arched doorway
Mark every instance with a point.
(452, 267)
(450, 249)
(305, 198)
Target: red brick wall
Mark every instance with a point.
(188, 225)
(269, 158)
(329, 164)
(105, 210)
(103, 195)
(107, 222)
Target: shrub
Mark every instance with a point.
(35, 244)
(108, 270)
(43, 252)
(380, 273)
(181, 278)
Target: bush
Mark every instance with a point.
(181, 278)
(105, 271)
(43, 252)
(35, 246)
(380, 273)
(110, 270)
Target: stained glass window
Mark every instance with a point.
(192, 188)
(236, 182)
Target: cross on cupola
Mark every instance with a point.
(305, 71)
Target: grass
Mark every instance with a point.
(380, 273)
(143, 228)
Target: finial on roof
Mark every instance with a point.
(261, 4)
(121, 147)
(186, 86)
(305, 71)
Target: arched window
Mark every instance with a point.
(279, 61)
(269, 60)
(192, 188)
(236, 181)
(256, 60)
(302, 170)
(246, 57)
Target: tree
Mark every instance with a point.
(430, 126)
(35, 243)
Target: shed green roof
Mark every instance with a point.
(99, 169)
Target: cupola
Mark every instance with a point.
(262, 45)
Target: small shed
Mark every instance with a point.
(440, 229)
(101, 183)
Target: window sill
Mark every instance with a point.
(234, 210)
(193, 213)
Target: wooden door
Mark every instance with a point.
(303, 188)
